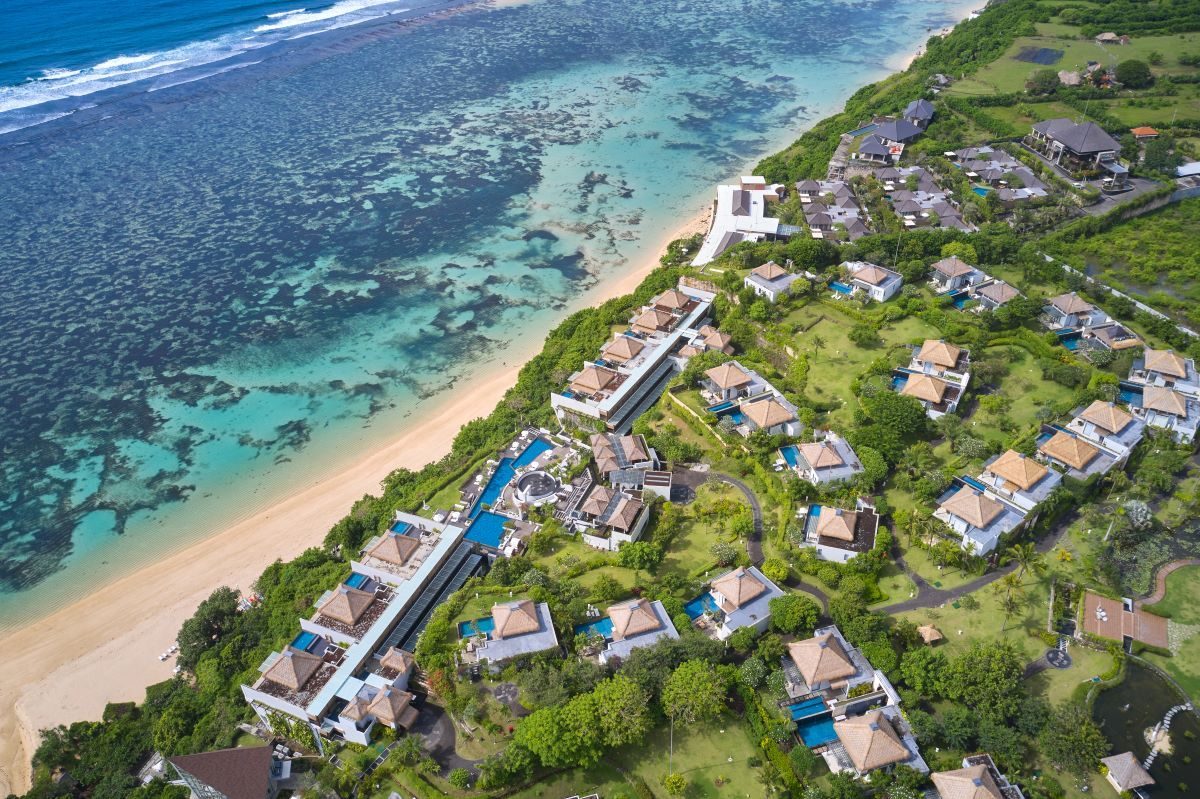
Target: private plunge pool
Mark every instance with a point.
(790, 455)
(700, 605)
(841, 288)
(814, 722)
(602, 627)
(470, 629)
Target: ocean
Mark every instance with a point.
(229, 274)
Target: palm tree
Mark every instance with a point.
(1027, 558)
(817, 343)
(1011, 595)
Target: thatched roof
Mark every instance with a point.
(769, 271)
(768, 413)
(397, 660)
(924, 387)
(632, 618)
(953, 267)
(872, 274)
(871, 741)
(929, 633)
(1165, 400)
(515, 618)
(597, 501)
(821, 455)
(821, 659)
(973, 507)
(728, 375)
(837, 523)
(293, 668)
(1071, 303)
(622, 348)
(395, 548)
(1070, 450)
(672, 299)
(739, 587)
(1106, 416)
(1165, 362)
(593, 378)
(939, 353)
(973, 782)
(1015, 468)
(239, 773)
(346, 604)
(1126, 771)
(389, 705)
(654, 319)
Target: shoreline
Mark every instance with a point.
(65, 671)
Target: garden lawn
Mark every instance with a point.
(962, 628)
(895, 585)
(919, 562)
(1057, 685)
(690, 552)
(1182, 604)
(1028, 391)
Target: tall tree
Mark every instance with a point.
(1072, 741)
(1027, 558)
(622, 711)
(694, 692)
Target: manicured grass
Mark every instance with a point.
(690, 553)
(1028, 391)
(1057, 685)
(478, 607)
(963, 627)
(918, 560)
(895, 585)
(715, 750)
(1182, 604)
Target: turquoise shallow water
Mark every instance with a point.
(223, 289)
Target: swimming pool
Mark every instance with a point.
(1130, 394)
(841, 288)
(404, 528)
(720, 407)
(469, 629)
(816, 730)
(961, 299)
(808, 707)
(973, 483)
(863, 129)
(700, 605)
(603, 626)
(488, 529)
(982, 191)
(304, 640)
(356, 580)
(790, 455)
(899, 381)
(506, 470)
(1070, 339)
(738, 417)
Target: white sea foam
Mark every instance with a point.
(61, 84)
(193, 78)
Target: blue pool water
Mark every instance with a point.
(536, 448)
(721, 406)
(899, 381)
(1070, 342)
(808, 707)
(356, 580)
(973, 483)
(468, 629)
(602, 626)
(961, 299)
(841, 288)
(982, 191)
(816, 730)
(790, 455)
(700, 605)
(404, 528)
(506, 471)
(304, 640)
(738, 417)
(488, 529)
(1044, 437)
(1130, 394)
(814, 511)
(863, 129)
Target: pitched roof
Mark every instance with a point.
(673, 299)
(998, 292)
(837, 523)
(973, 507)
(973, 782)
(397, 660)
(1087, 138)
(739, 587)
(929, 633)
(871, 741)
(654, 319)
(873, 145)
(919, 109)
(767, 413)
(821, 455)
(1165, 362)
(924, 387)
(898, 130)
(1166, 400)
(1143, 130)
(236, 773)
(728, 375)
(346, 604)
(622, 348)
(1126, 771)
(939, 353)
(821, 659)
(953, 267)
(1070, 450)
(395, 548)
(357, 708)
(634, 447)
(390, 704)
(717, 340)
(593, 378)
(515, 618)
(597, 501)
(873, 274)
(1017, 469)
(632, 618)
(625, 514)
(1106, 416)
(1071, 303)
(769, 271)
(293, 668)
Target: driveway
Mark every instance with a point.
(437, 732)
(754, 542)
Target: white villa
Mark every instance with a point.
(1019, 480)
(838, 535)
(742, 598)
(631, 374)
(977, 779)
(979, 516)
(608, 518)
(877, 282)
(937, 377)
(770, 281)
(750, 400)
(1166, 369)
(1073, 455)
(636, 623)
(1109, 427)
(828, 460)
(953, 273)
(1072, 311)
(741, 214)
(520, 627)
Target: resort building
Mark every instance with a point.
(521, 627)
(831, 210)
(828, 460)
(1072, 145)
(937, 376)
(1073, 455)
(1121, 620)
(977, 779)
(1108, 426)
(1171, 410)
(770, 281)
(1111, 336)
(614, 453)
(877, 282)
(838, 535)
(1071, 311)
(741, 214)
(993, 294)
(608, 518)
(919, 112)
(1125, 773)
(996, 170)
(737, 599)
(1020, 480)
(926, 205)
(978, 515)
(874, 149)
(332, 675)
(1166, 369)
(616, 390)
(875, 740)
(246, 773)
(749, 401)
(953, 274)
(630, 625)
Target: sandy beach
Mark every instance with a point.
(105, 648)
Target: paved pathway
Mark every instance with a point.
(436, 729)
(1160, 580)
(754, 542)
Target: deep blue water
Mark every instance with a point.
(215, 289)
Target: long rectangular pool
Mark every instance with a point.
(506, 470)
(841, 288)
(469, 629)
(807, 707)
(700, 605)
(304, 640)
(356, 580)
(791, 455)
(488, 529)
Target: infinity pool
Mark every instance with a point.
(488, 529)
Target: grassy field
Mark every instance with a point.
(715, 751)
(1182, 604)
(704, 525)
(1028, 392)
